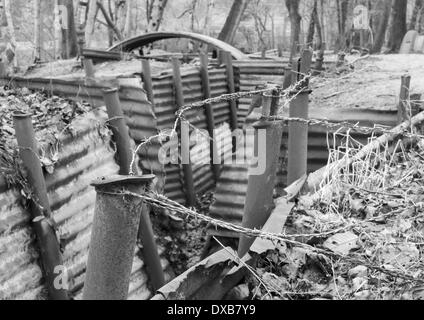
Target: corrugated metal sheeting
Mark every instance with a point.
(84, 155)
(231, 189)
(164, 108)
(250, 74)
(20, 274)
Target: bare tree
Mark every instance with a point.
(12, 46)
(233, 20)
(209, 6)
(109, 20)
(417, 11)
(69, 44)
(37, 30)
(381, 22)
(312, 23)
(260, 13)
(128, 18)
(191, 10)
(342, 9)
(295, 20)
(155, 11)
(397, 28)
(91, 21)
(321, 18)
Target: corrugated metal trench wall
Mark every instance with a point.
(84, 156)
(87, 155)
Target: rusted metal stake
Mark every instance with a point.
(114, 235)
(287, 78)
(150, 250)
(298, 132)
(3, 70)
(228, 61)
(185, 145)
(147, 79)
(260, 191)
(40, 208)
(89, 68)
(120, 131)
(210, 117)
(122, 140)
(404, 108)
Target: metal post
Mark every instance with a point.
(404, 108)
(147, 79)
(89, 68)
(81, 40)
(298, 132)
(150, 250)
(210, 118)
(114, 236)
(3, 70)
(259, 199)
(187, 168)
(40, 207)
(287, 78)
(228, 61)
(120, 131)
(122, 140)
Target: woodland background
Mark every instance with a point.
(39, 30)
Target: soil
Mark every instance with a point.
(51, 116)
(370, 83)
(362, 236)
(184, 240)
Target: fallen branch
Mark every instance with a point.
(315, 179)
(335, 94)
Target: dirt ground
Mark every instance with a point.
(371, 83)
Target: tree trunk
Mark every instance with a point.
(320, 44)
(398, 25)
(37, 30)
(206, 26)
(233, 20)
(295, 19)
(69, 32)
(120, 14)
(342, 8)
(322, 24)
(319, 32)
(11, 50)
(91, 21)
(285, 40)
(57, 31)
(109, 20)
(157, 9)
(417, 9)
(128, 19)
(383, 8)
(421, 21)
(312, 22)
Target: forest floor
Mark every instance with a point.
(372, 82)
(361, 237)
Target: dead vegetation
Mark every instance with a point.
(51, 117)
(369, 217)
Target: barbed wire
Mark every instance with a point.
(336, 126)
(160, 201)
(288, 94)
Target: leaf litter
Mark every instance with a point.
(51, 117)
(369, 217)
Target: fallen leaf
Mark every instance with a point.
(342, 243)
